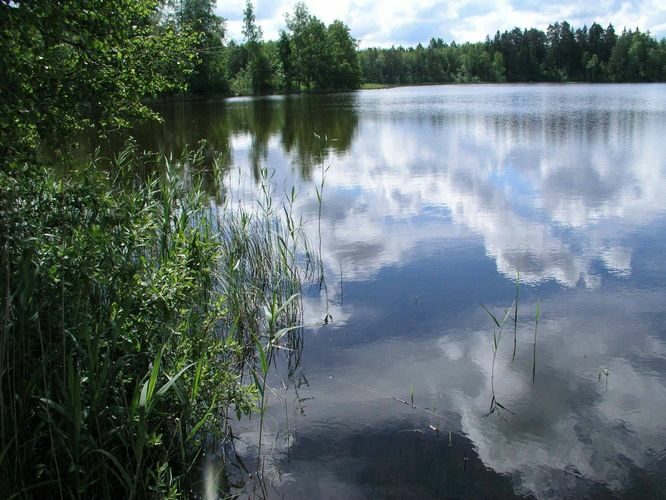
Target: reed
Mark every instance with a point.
(498, 330)
(603, 371)
(496, 406)
(132, 308)
(319, 190)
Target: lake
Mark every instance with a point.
(436, 201)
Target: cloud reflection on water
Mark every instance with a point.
(554, 181)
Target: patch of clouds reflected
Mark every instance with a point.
(568, 430)
(551, 196)
(516, 240)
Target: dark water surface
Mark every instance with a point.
(435, 198)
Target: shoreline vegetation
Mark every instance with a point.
(132, 324)
(138, 315)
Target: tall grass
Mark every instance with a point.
(131, 308)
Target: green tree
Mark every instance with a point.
(595, 40)
(308, 44)
(345, 72)
(70, 65)
(609, 40)
(259, 69)
(286, 59)
(498, 67)
(251, 31)
(199, 16)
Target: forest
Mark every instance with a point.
(307, 56)
(311, 56)
(561, 54)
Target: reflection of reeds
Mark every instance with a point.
(495, 406)
(536, 325)
(515, 317)
(603, 371)
(276, 253)
(498, 329)
(320, 201)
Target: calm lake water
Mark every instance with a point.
(435, 199)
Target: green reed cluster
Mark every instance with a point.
(131, 307)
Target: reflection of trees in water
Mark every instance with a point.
(333, 117)
(293, 119)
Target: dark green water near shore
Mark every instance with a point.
(435, 199)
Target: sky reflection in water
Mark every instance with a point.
(435, 197)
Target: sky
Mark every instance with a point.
(382, 23)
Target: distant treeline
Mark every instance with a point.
(560, 54)
(309, 55)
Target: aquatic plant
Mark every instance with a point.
(496, 406)
(515, 316)
(498, 329)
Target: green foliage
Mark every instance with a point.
(241, 84)
(284, 52)
(345, 72)
(258, 67)
(68, 65)
(317, 57)
(128, 306)
(127, 318)
(209, 75)
(251, 31)
(636, 56)
(307, 39)
(562, 53)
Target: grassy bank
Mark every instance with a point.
(132, 316)
(374, 86)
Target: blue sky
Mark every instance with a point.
(387, 22)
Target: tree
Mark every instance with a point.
(345, 72)
(258, 68)
(284, 51)
(635, 58)
(310, 57)
(199, 16)
(251, 31)
(595, 40)
(498, 67)
(608, 42)
(69, 65)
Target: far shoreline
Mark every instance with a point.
(191, 97)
